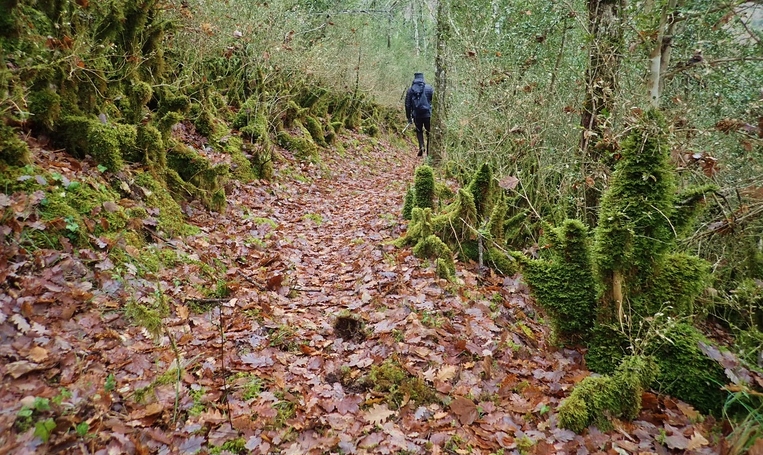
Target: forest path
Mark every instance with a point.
(300, 329)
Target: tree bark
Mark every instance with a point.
(439, 107)
(604, 59)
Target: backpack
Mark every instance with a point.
(421, 106)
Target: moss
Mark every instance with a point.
(484, 189)
(564, 283)
(170, 218)
(45, 107)
(13, 150)
(166, 122)
(431, 247)
(315, 129)
(149, 143)
(443, 192)
(495, 225)
(105, 142)
(301, 144)
(139, 93)
(370, 128)
(392, 380)
(502, 262)
(423, 187)
(186, 161)
(634, 231)
(686, 372)
(457, 224)
(607, 346)
(677, 281)
(420, 227)
(291, 114)
(205, 123)
(408, 203)
(597, 399)
(241, 167)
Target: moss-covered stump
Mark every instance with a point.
(484, 188)
(420, 227)
(597, 399)
(299, 142)
(564, 282)
(315, 129)
(423, 187)
(107, 143)
(431, 247)
(458, 223)
(408, 203)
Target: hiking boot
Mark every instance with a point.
(421, 152)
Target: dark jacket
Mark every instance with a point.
(418, 80)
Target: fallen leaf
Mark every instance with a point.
(447, 373)
(378, 414)
(21, 323)
(274, 282)
(465, 410)
(38, 354)
(22, 367)
(697, 441)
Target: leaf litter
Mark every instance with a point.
(283, 363)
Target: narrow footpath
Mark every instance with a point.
(324, 338)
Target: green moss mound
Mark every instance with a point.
(597, 399)
(686, 372)
(564, 284)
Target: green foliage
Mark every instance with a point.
(423, 187)
(597, 399)
(564, 283)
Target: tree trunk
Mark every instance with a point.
(439, 106)
(604, 59)
(659, 57)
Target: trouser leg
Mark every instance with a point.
(419, 123)
(428, 126)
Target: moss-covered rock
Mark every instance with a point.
(597, 399)
(139, 93)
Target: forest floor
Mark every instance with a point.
(332, 340)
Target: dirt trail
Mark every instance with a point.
(415, 365)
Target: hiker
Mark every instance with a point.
(418, 108)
